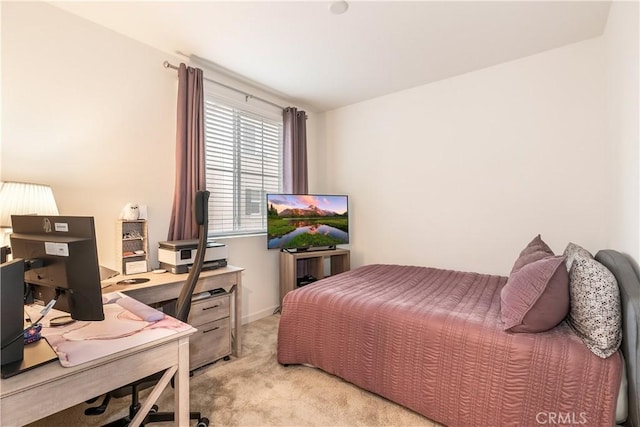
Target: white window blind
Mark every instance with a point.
(243, 163)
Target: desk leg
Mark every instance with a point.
(181, 392)
(153, 397)
(237, 342)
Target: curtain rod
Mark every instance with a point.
(247, 96)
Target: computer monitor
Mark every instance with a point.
(11, 317)
(61, 259)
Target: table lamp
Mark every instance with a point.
(22, 198)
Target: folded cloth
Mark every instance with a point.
(111, 297)
(143, 311)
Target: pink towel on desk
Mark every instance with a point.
(81, 342)
(117, 324)
(141, 310)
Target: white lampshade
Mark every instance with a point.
(21, 198)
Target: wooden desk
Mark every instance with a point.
(48, 389)
(166, 286)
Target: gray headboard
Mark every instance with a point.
(629, 284)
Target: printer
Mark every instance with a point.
(178, 256)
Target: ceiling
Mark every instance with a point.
(299, 50)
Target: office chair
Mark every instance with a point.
(182, 307)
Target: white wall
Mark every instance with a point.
(92, 113)
(89, 113)
(623, 92)
(464, 172)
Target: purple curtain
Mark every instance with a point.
(295, 179)
(190, 168)
(294, 157)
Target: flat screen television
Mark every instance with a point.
(304, 221)
(61, 262)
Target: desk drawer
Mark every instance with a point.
(210, 343)
(208, 310)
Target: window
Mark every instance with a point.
(243, 163)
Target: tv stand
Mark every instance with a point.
(294, 264)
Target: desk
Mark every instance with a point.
(82, 382)
(166, 286)
(48, 389)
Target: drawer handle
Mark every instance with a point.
(209, 308)
(211, 330)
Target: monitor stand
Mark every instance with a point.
(35, 354)
(311, 249)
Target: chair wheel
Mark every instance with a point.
(203, 422)
(153, 409)
(94, 411)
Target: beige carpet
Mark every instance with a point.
(255, 390)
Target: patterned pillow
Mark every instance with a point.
(536, 297)
(595, 313)
(534, 251)
(572, 251)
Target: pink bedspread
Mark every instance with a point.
(432, 340)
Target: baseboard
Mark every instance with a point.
(258, 315)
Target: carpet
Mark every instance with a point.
(255, 390)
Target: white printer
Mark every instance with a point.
(178, 256)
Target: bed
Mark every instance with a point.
(433, 341)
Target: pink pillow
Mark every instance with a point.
(534, 251)
(536, 297)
